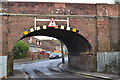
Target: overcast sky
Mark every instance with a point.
(69, 1)
(45, 38)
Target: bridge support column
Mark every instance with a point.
(6, 45)
(10, 65)
(11, 43)
(83, 61)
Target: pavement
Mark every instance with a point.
(18, 74)
(65, 67)
(28, 60)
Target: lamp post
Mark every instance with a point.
(63, 60)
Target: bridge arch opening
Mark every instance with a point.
(74, 42)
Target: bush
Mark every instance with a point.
(20, 50)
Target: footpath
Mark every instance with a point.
(28, 60)
(65, 67)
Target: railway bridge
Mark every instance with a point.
(92, 28)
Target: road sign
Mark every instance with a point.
(52, 23)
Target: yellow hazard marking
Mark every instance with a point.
(38, 28)
(68, 28)
(44, 27)
(74, 30)
(31, 30)
(25, 32)
(62, 27)
(56, 27)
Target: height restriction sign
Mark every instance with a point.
(52, 23)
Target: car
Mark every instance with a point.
(43, 52)
(46, 52)
(55, 56)
(50, 52)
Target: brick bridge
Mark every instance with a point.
(97, 25)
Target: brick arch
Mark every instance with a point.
(75, 42)
(46, 27)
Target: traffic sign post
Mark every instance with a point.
(52, 19)
(35, 23)
(63, 59)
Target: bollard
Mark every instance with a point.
(33, 57)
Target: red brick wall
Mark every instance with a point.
(61, 8)
(4, 36)
(50, 8)
(103, 28)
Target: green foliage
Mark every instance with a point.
(111, 67)
(20, 50)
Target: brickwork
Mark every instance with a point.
(95, 29)
(86, 27)
(89, 63)
(4, 35)
(103, 29)
(108, 10)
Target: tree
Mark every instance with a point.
(20, 50)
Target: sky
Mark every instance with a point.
(69, 1)
(45, 38)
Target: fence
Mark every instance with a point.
(3, 66)
(108, 62)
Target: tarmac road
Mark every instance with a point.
(48, 70)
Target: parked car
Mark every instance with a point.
(55, 56)
(50, 52)
(43, 52)
(46, 52)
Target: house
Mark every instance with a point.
(37, 45)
